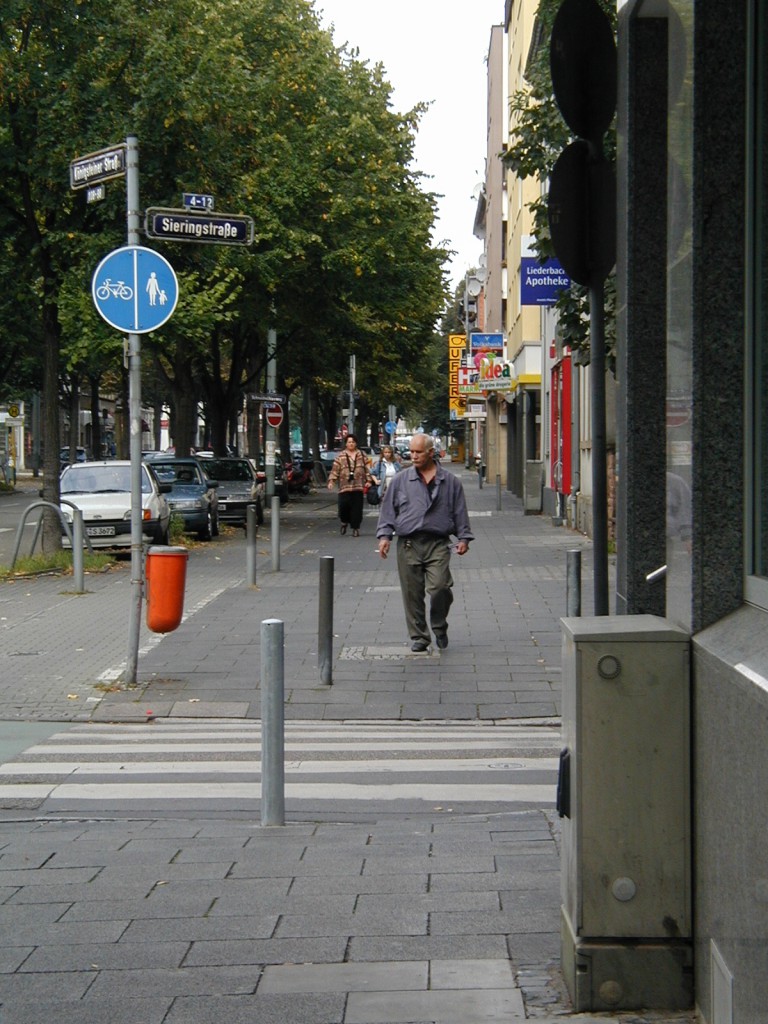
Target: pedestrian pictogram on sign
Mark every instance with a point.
(274, 414)
(135, 289)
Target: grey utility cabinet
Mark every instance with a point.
(624, 799)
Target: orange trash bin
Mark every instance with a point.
(166, 575)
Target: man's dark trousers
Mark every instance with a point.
(423, 563)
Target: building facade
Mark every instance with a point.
(692, 449)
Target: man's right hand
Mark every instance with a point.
(383, 547)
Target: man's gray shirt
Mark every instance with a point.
(409, 507)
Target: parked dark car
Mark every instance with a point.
(192, 495)
(237, 487)
(81, 455)
(281, 486)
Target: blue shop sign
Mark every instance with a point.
(541, 283)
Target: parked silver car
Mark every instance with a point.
(237, 483)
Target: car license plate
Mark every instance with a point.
(100, 531)
(222, 504)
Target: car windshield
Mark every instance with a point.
(222, 469)
(85, 479)
(182, 474)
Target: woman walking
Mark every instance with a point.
(350, 469)
(384, 471)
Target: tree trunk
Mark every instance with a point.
(74, 416)
(94, 380)
(123, 419)
(313, 431)
(185, 401)
(51, 436)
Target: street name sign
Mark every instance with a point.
(135, 289)
(266, 396)
(103, 165)
(183, 226)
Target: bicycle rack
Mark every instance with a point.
(76, 549)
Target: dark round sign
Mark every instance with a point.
(582, 58)
(582, 214)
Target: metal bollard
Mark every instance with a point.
(325, 621)
(573, 584)
(251, 536)
(498, 492)
(272, 723)
(275, 528)
(77, 551)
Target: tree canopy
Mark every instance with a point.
(254, 104)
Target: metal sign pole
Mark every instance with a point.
(134, 402)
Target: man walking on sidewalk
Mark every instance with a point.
(424, 506)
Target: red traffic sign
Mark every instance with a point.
(274, 414)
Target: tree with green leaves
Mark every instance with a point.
(255, 105)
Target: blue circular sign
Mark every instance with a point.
(135, 289)
(390, 427)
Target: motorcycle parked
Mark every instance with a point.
(299, 476)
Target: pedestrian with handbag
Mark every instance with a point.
(425, 505)
(383, 473)
(350, 470)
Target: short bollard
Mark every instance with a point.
(325, 621)
(275, 528)
(272, 723)
(251, 534)
(498, 492)
(77, 550)
(573, 584)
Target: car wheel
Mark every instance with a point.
(164, 536)
(207, 531)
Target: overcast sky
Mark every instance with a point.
(433, 50)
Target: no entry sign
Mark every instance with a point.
(274, 414)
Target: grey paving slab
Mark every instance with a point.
(319, 949)
(455, 1007)
(86, 1011)
(469, 974)
(106, 956)
(266, 1009)
(427, 947)
(181, 981)
(356, 977)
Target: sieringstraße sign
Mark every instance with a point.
(183, 226)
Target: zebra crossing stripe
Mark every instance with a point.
(176, 761)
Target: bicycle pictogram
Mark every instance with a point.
(117, 289)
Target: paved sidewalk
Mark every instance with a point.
(363, 918)
(63, 653)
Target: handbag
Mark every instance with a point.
(372, 495)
